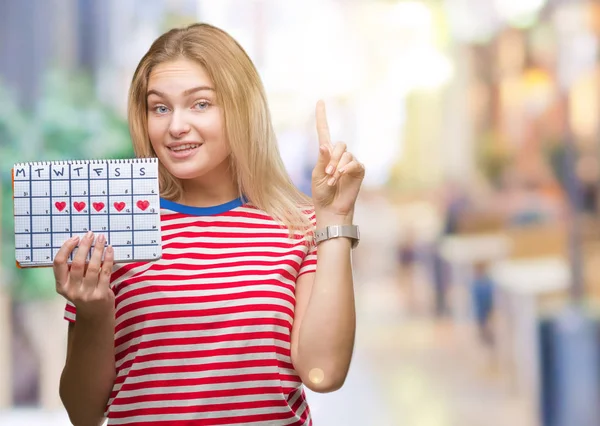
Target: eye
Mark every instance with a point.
(201, 105)
(160, 109)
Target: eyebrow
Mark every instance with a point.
(185, 92)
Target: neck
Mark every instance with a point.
(212, 189)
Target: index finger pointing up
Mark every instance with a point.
(322, 127)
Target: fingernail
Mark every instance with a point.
(89, 235)
(109, 249)
(329, 170)
(342, 170)
(101, 239)
(74, 238)
(323, 149)
(331, 181)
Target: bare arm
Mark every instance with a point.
(89, 373)
(325, 320)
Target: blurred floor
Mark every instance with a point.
(408, 369)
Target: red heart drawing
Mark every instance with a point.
(79, 205)
(98, 206)
(119, 205)
(143, 204)
(60, 205)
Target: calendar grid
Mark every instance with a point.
(31, 218)
(57, 204)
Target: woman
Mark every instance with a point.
(236, 316)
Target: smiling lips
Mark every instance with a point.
(186, 147)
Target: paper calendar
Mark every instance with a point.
(54, 201)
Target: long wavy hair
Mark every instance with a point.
(255, 159)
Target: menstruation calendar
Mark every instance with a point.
(54, 201)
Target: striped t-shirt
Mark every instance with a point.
(202, 336)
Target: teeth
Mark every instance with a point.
(184, 147)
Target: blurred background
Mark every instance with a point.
(478, 273)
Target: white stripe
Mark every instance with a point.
(201, 416)
(226, 332)
(249, 303)
(195, 347)
(281, 293)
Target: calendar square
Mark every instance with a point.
(22, 189)
(61, 188)
(119, 187)
(59, 172)
(141, 222)
(61, 224)
(121, 222)
(23, 241)
(42, 255)
(99, 223)
(22, 224)
(123, 252)
(117, 198)
(79, 188)
(120, 171)
(79, 172)
(40, 206)
(120, 205)
(146, 204)
(148, 252)
(144, 187)
(121, 238)
(41, 224)
(41, 241)
(79, 206)
(22, 206)
(80, 224)
(23, 256)
(98, 205)
(100, 187)
(99, 171)
(145, 170)
(144, 238)
(58, 239)
(40, 173)
(60, 206)
(40, 189)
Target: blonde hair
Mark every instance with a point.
(261, 176)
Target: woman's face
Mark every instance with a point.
(185, 124)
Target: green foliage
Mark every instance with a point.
(68, 122)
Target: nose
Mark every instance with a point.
(179, 126)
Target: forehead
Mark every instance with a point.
(178, 75)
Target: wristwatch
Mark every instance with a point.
(336, 231)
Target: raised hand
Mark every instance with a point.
(337, 176)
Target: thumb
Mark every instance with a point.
(322, 160)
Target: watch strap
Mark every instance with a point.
(337, 231)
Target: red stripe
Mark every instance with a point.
(243, 420)
(152, 288)
(221, 393)
(214, 367)
(268, 350)
(204, 340)
(147, 331)
(232, 310)
(197, 300)
(211, 256)
(148, 411)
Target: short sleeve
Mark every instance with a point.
(70, 312)
(309, 263)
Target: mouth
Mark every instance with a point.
(184, 148)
